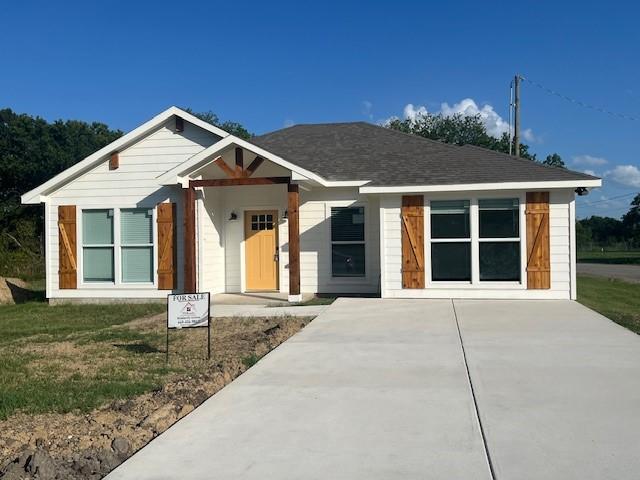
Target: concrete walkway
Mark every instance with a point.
(265, 311)
(628, 273)
(378, 389)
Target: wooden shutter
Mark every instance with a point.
(166, 218)
(67, 247)
(538, 252)
(412, 241)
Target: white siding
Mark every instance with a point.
(560, 246)
(133, 184)
(211, 242)
(223, 250)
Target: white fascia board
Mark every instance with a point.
(484, 186)
(176, 175)
(38, 194)
(199, 123)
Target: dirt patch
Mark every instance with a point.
(13, 290)
(89, 445)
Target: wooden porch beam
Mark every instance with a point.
(293, 201)
(239, 162)
(230, 172)
(189, 240)
(230, 182)
(253, 166)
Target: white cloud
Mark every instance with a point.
(628, 175)
(528, 135)
(496, 126)
(494, 123)
(288, 123)
(412, 112)
(589, 161)
(590, 172)
(367, 108)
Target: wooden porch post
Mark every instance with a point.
(294, 242)
(189, 239)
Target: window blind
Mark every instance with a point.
(136, 238)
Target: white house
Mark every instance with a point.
(180, 205)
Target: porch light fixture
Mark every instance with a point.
(285, 215)
(233, 216)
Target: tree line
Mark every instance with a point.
(596, 233)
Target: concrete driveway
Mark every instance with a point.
(379, 389)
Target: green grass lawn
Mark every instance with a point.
(615, 299)
(623, 258)
(66, 357)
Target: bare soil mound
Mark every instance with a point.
(13, 290)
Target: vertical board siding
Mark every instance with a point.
(167, 271)
(132, 184)
(538, 250)
(68, 247)
(413, 267)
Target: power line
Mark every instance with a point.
(587, 202)
(580, 103)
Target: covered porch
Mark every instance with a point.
(241, 226)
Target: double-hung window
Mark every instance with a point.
(136, 245)
(450, 241)
(109, 234)
(499, 230)
(347, 242)
(97, 245)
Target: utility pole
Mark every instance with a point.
(516, 115)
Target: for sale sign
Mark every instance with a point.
(188, 310)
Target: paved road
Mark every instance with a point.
(629, 273)
(378, 389)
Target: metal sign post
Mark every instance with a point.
(189, 310)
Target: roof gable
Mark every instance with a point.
(124, 142)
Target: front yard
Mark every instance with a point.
(73, 378)
(615, 299)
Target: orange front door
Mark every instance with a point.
(261, 249)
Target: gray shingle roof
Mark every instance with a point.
(361, 151)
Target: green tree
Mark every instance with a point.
(456, 129)
(554, 160)
(584, 239)
(631, 221)
(605, 231)
(32, 151)
(234, 128)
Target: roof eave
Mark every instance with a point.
(588, 183)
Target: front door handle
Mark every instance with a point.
(276, 256)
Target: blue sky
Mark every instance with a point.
(271, 64)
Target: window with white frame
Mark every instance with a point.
(347, 242)
(109, 233)
(136, 245)
(450, 241)
(499, 239)
(97, 245)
